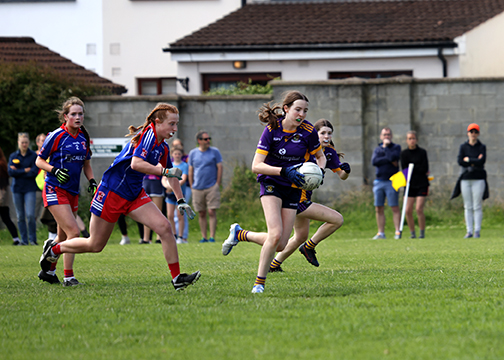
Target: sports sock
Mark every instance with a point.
(174, 269)
(275, 264)
(241, 235)
(53, 267)
(260, 281)
(310, 244)
(56, 250)
(68, 273)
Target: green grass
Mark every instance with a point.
(436, 298)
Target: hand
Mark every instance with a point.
(386, 142)
(466, 159)
(182, 206)
(61, 175)
(345, 167)
(293, 175)
(172, 172)
(92, 186)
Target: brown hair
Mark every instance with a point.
(160, 112)
(65, 109)
(4, 174)
(324, 122)
(270, 115)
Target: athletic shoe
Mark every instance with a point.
(276, 269)
(183, 280)
(468, 235)
(379, 236)
(16, 243)
(476, 234)
(51, 279)
(34, 243)
(203, 240)
(143, 242)
(125, 241)
(47, 258)
(182, 241)
(397, 235)
(71, 282)
(211, 240)
(178, 240)
(231, 241)
(158, 241)
(258, 289)
(309, 254)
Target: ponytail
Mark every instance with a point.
(160, 112)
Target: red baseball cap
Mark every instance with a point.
(473, 127)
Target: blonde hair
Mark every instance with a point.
(160, 112)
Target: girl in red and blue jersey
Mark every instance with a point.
(281, 150)
(120, 192)
(67, 149)
(307, 210)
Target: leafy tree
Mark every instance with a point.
(29, 95)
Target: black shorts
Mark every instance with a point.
(418, 191)
(290, 196)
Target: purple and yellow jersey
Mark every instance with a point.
(121, 178)
(68, 152)
(285, 148)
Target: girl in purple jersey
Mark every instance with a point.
(307, 210)
(281, 150)
(67, 149)
(121, 192)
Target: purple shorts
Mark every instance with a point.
(290, 196)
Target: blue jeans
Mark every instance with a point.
(25, 211)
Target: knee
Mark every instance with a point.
(96, 248)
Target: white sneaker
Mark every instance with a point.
(231, 241)
(179, 240)
(258, 289)
(125, 241)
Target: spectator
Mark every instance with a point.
(472, 181)
(419, 183)
(4, 208)
(39, 207)
(24, 171)
(205, 176)
(187, 192)
(123, 227)
(386, 160)
(153, 188)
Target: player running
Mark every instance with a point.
(306, 210)
(120, 192)
(69, 153)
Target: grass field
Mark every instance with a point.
(434, 298)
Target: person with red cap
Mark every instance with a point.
(473, 185)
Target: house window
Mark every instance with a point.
(156, 86)
(90, 49)
(214, 81)
(116, 71)
(368, 74)
(115, 49)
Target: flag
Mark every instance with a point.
(399, 179)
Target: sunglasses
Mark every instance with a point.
(473, 131)
(206, 139)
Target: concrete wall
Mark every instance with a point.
(439, 110)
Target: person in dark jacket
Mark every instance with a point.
(23, 170)
(386, 160)
(472, 157)
(419, 183)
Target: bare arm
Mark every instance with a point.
(321, 159)
(219, 173)
(140, 165)
(260, 167)
(88, 171)
(191, 176)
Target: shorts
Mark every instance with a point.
(54, 195)
(206, 198)
(171, 199)
(304, 202)
(418, 191)
(153, 188)
(107, 205)
(383, 189)
(290, 196)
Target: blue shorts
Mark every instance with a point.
(171, 199)
(290, 196)
(153, 188)
(383, 189)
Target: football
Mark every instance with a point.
(313, 175)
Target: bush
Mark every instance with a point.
(242, 89)
(29, 94)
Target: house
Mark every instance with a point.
(355, 38)
(25, 49)
(121, 40)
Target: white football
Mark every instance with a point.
(313, 175)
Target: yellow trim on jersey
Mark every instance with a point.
(335, 170)
(306, 126)
(262, 152)
(315, 151)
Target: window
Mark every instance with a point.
(115, 49)
(90, 49)
(116, 71)
(368, 74)
(214, 81)
(156, 86)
